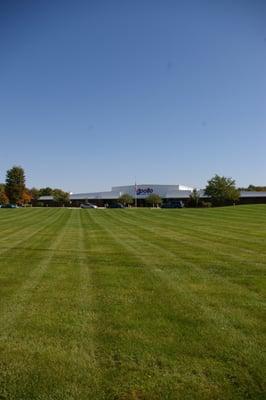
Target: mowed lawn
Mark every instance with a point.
(132, 304)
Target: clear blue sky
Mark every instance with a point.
(94, 93)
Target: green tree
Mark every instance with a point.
(153, 200)
(35, 194)
(194, 198)
(222, 190)
(47, 191)
(60, 197)
(126, 199)
(3, 197)
(15, 184)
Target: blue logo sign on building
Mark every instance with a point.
(142, 191)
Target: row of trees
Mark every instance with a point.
(253, 188)
(153, 200)
(14, 190)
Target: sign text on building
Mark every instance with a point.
(141, 191)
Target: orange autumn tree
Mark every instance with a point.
(3, 197)
(26, 197)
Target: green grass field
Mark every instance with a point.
(132, 304)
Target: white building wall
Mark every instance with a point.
(147, 189)
(164, 191)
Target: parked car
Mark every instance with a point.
(88, 205)
(116, 205)
(176, 204)
(9, 206)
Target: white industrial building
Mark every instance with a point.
(141, 191)
(168, 193)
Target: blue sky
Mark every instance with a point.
(94, 93)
